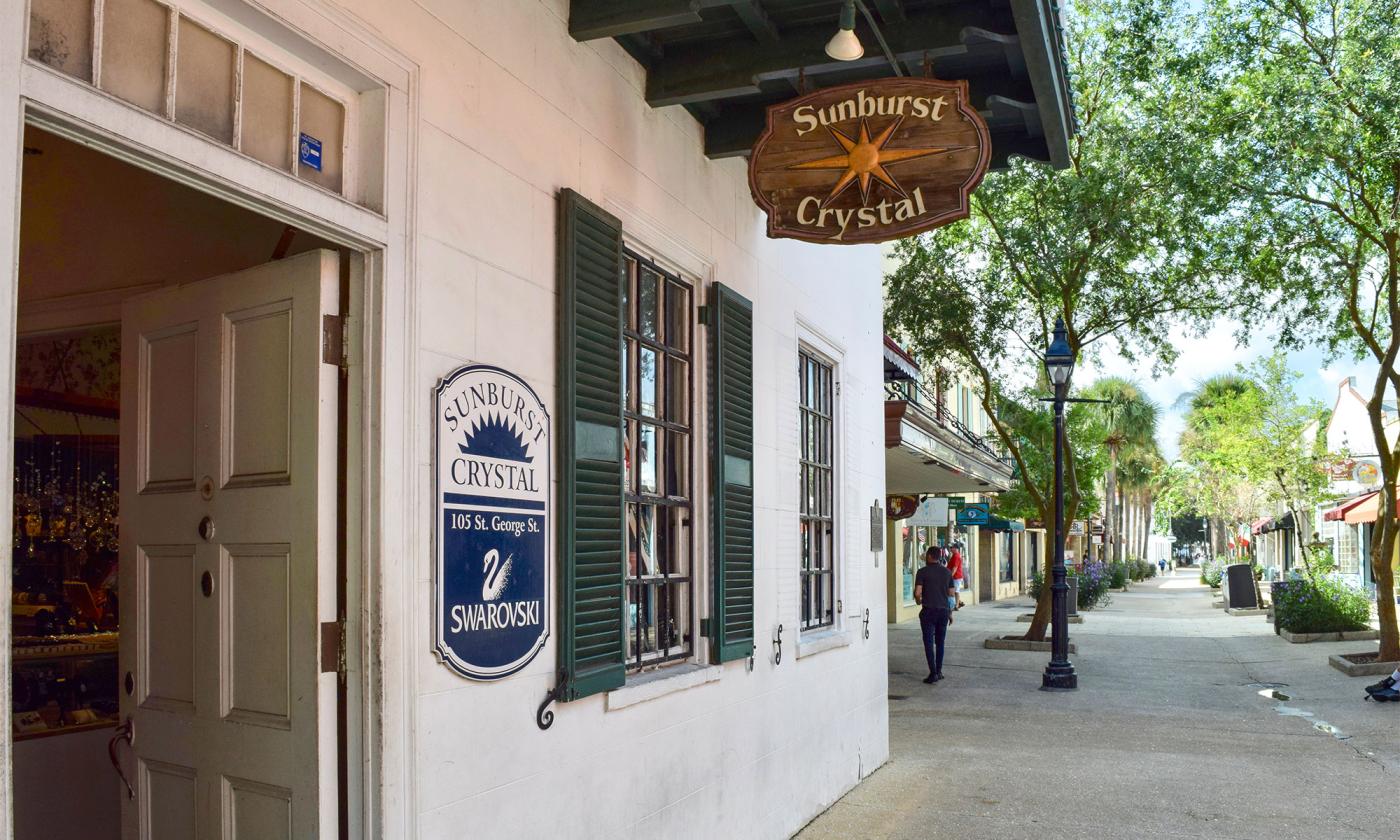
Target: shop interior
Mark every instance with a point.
(94, 231)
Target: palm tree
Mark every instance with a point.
(1132, 425)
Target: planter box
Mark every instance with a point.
(1017, 643)
(1246, 611)
(1025, 618)
(1367, 667)
(1348, 636)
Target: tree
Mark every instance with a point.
(1251, 433)
(1301, 102)
(1217, 481)
(1116, 244)
(1132, 425)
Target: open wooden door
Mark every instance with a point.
(228, 556)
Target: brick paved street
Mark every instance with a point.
(1167, 735)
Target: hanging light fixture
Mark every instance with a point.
(844, 45)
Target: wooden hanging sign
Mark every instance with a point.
(869, 161)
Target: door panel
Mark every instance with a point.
(228, 548)
(256, 650)
(169, 801)
(169, 380)
(165, 631)
(259, 399)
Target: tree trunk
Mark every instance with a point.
(1383, 567)
(1110, 498)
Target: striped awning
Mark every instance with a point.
(1338, 513)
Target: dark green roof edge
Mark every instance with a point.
(1041, 29)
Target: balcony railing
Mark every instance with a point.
(935, 409)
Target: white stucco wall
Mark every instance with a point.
(492, 109)
(510, 110)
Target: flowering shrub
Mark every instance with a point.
(1211, 572)
(1325, 605)
(1093, 585)
(1094, 581)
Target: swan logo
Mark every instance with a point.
(492, 586)
(496, 575)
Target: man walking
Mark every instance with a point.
(933, 587)
(955, 568)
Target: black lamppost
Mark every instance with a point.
(1059, 674)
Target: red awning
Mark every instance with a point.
(1259, 524)
(1338, 513)
(1367, 511)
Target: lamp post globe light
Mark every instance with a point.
(1059, 366)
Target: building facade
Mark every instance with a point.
(940, 443)
(291, 277)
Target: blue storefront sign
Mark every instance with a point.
(309, 152)
(977, 513)
(492, 587)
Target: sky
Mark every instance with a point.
(1218, 352)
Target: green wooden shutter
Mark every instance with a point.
(730, 319)
(591, 630)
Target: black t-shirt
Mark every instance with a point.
(936, 580)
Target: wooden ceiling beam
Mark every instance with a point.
(714, 70)
(756, 19)
(891, 11)
(593, 19)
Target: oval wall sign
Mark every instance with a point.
(869, 161)
(492, 587)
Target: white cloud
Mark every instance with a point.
(1216, 352)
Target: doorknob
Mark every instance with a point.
(206, 529)
(126, 732)
(206, 584)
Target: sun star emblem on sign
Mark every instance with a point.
(913, 149)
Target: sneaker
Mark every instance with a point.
(1388, 682)
(931, 679)
(1386, 695)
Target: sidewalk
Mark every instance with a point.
(1167, 735)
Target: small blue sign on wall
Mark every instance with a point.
(977, 513)
(309, 152)
(492, 587)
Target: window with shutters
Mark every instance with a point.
(816, 387)
(658, 488)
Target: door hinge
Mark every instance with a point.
(333, 351)
(333, 648)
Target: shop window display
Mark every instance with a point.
(65, 604)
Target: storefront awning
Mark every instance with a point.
(726, 61)
(996, 523)
(898, 363)
(1367, 510)
(1338, 513)
(1282, 523)
(1260, 524)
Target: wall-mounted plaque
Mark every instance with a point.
(492, 587)
(869, 161)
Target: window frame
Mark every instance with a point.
(693, 580)
(811, 346)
